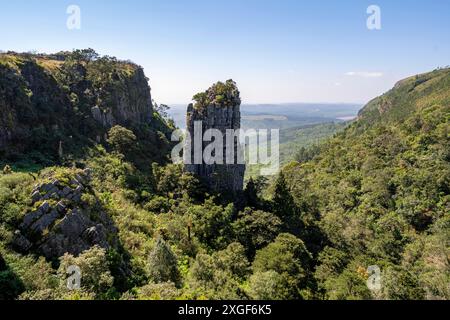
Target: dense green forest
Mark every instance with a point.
(376, 193)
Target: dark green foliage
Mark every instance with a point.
(287, 256)
(10, 284)
(121, 139)
(212, 223)
(379, 189)
(220, 275)
(376, 194)
(70, 100)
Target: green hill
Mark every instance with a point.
(374, 196)
(381, 193)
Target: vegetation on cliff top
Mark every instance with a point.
(219, 94)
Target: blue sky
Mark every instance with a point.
(276, 50)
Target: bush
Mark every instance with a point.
(121, 139)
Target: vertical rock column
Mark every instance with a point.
(217, 108)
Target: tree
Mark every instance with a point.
(283, 202)
(220, 275)
(288, 256)
(163, 263)
(251, 194)
(256, 229)
(162, 109)
(158, 291)
(212, 223)
(121, 139)
(283, 205)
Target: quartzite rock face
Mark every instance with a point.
(61, 221)
(217, 108)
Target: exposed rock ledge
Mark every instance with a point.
(62, 222)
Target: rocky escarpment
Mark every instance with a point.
(217, 108)
(69, 99)
(66, 218)
(130, 102)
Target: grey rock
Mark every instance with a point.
(45, 207)
(73, 224)
(220, 177)
(66, 191)
(20, 243)
(35, 196)
(46, 187)
(66, 230)
(60, 207)
(81, 179)
(30, 218)
(96, 236)
(36, 220)
(75, 182)
(45, 222)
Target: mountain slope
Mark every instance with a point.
(380, 190)
(68, 101)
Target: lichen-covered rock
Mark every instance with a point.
(64, 224)
(217, 108)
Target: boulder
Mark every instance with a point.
(53, 230)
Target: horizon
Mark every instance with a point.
(278, 53)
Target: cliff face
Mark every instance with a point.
(217, 108)
(71, 98)
(130, 102)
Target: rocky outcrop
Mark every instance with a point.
(130, 102)
(61, 222)
(44, 101)
(217, 108)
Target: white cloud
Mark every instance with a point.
(364, 74)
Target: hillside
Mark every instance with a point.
(54, 107)
(374, 194)
(381, 192)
